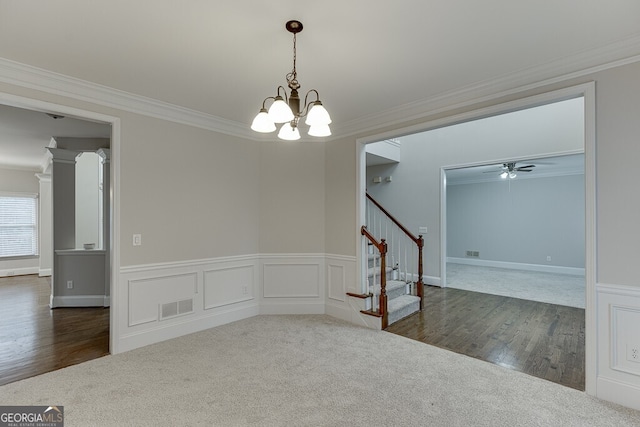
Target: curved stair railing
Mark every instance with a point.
(404, 249)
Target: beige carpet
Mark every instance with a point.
(305, 371)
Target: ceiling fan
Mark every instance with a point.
(509, 170)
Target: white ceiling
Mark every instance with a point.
(369, 60)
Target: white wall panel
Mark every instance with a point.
(230, 285)
(145, 295)
(618, 332)
(336, 282)
(291, 280)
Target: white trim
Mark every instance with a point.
(585, 63)
(556, 269)
(619, 392)
(18, 194)
(587, 90)
(443, 228)
(31, 77)
(183, 326)
(604, 58)
(39, 105)
(10, 272)
(621, 290)
(432, 280)
(615, 382)
(78, 301)
(131, 269)
(300, 307)
(44, 272)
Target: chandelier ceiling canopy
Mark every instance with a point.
(287, 110)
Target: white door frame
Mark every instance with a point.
(587, 91)
(114, 254)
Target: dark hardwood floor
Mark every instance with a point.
(543, 340)
(35, 339)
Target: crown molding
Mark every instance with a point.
(31, 77)
(623, 52)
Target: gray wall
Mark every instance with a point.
(519, 220)
(414, 194)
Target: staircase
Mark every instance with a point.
(400, 301)
(389, 293)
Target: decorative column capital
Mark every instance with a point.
(60, 155)
(105, 154)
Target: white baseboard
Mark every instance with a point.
(518, 266)
(78, 301)
(292, 308)
(432, 280)
(338, 311)
(618, 392)
(9, 272)
(186, 326)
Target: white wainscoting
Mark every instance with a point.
(618, 314)
(292, 284)
(218, 293)
(222, 290)
(225, 290)
(341, 278)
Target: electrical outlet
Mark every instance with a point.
(245, 290)
(633, 352)
(548, 258)
(69, 284)
(137, 239)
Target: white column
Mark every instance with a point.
(45, 232)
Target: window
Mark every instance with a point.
(18, 225)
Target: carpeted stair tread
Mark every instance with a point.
(402, 307)
(395, 288)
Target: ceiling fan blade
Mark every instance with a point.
(524, 170)
(525, 167)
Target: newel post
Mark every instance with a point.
(383, 283)
(420, 283)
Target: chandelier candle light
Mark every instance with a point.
(287, 109)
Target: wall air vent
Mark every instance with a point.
(176, 308)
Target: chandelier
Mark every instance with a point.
(286, 109)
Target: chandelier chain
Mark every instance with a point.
(292, 77)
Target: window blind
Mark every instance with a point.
(18, 226)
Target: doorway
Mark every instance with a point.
(32, 284)
(435, 244)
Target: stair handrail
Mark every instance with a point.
(394, 220)
(382, 248)
(419, 241)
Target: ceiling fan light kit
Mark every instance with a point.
(285, 109)
(509, 170)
